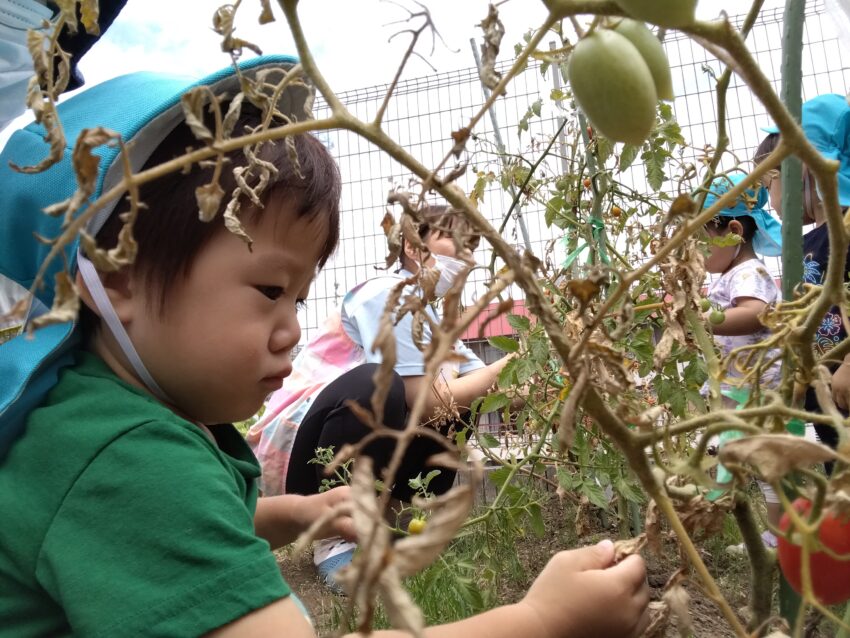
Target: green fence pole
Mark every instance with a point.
(792, 208)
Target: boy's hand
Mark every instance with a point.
(317, 504)
(841, 386)
(580, 593)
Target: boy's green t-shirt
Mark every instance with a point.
(119, 518)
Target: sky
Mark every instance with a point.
(352, 40)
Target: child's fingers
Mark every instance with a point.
(631, 569)
(584, 559)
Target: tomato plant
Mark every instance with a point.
(830, 576)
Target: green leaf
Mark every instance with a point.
(629, 491)
(594, 493)
(499, 476)
(535, 518)
(566, 479)
(654, 162)
(627, 156)
(524, 370)
(493, 402)
(519, 323)
(507, 378)
(504, 343)
(536, 105)
(488, 440)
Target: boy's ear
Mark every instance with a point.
(119, 291)
(736, 227)
(411, 252)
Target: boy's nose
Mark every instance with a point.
(286, 334)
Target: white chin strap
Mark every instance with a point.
(107, 313)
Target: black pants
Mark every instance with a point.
(329, 423)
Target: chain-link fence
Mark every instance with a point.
(424, 111)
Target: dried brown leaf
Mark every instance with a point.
(89, 14)
(494, 31)
(682, 205)
(209, 198)
(460, 138)
(659, 618)
(838, 494)
(584, 290)
(625, 548)
(678, 600)
(652, 525)
(775, 455)
(192, 103)
(66, 303)
(232, 223)
(266, 14)
(232, 115)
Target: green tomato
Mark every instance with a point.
(704, 305)
(653, 54)
(717, 317)
(664, 13)
(613, 86)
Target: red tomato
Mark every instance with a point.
(587, 183)
(830, 577)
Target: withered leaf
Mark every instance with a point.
(774, 455)
(678, 600)
(682, 205)
(193, 102)
(266, 14)
(624, 548)
(232, 223)
(583, 289)
(460, 138)
(494, 31)
(209, 198)
(66, 303)
(659, 618)
(89, 14)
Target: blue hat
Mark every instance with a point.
(826, 124)
(144, 108)
(768, 238)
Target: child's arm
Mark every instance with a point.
(578, 594)
(464, 389)
(742, 318)
(280, 519)
(841, 385)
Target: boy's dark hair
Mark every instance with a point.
(170, 234)
(810, 193)
(448, 222)
(766, 147)
(721, 223)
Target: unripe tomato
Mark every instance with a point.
(717, 317)
(704, 304)
(613, 86)
(416, 526)
(665, 13)
(653, 54)
(830, 577)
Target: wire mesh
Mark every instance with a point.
(424, 111)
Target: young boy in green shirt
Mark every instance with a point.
(134, 501)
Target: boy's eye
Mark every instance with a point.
(272, 292)
(300, 304)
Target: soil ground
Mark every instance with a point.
(730, 571)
